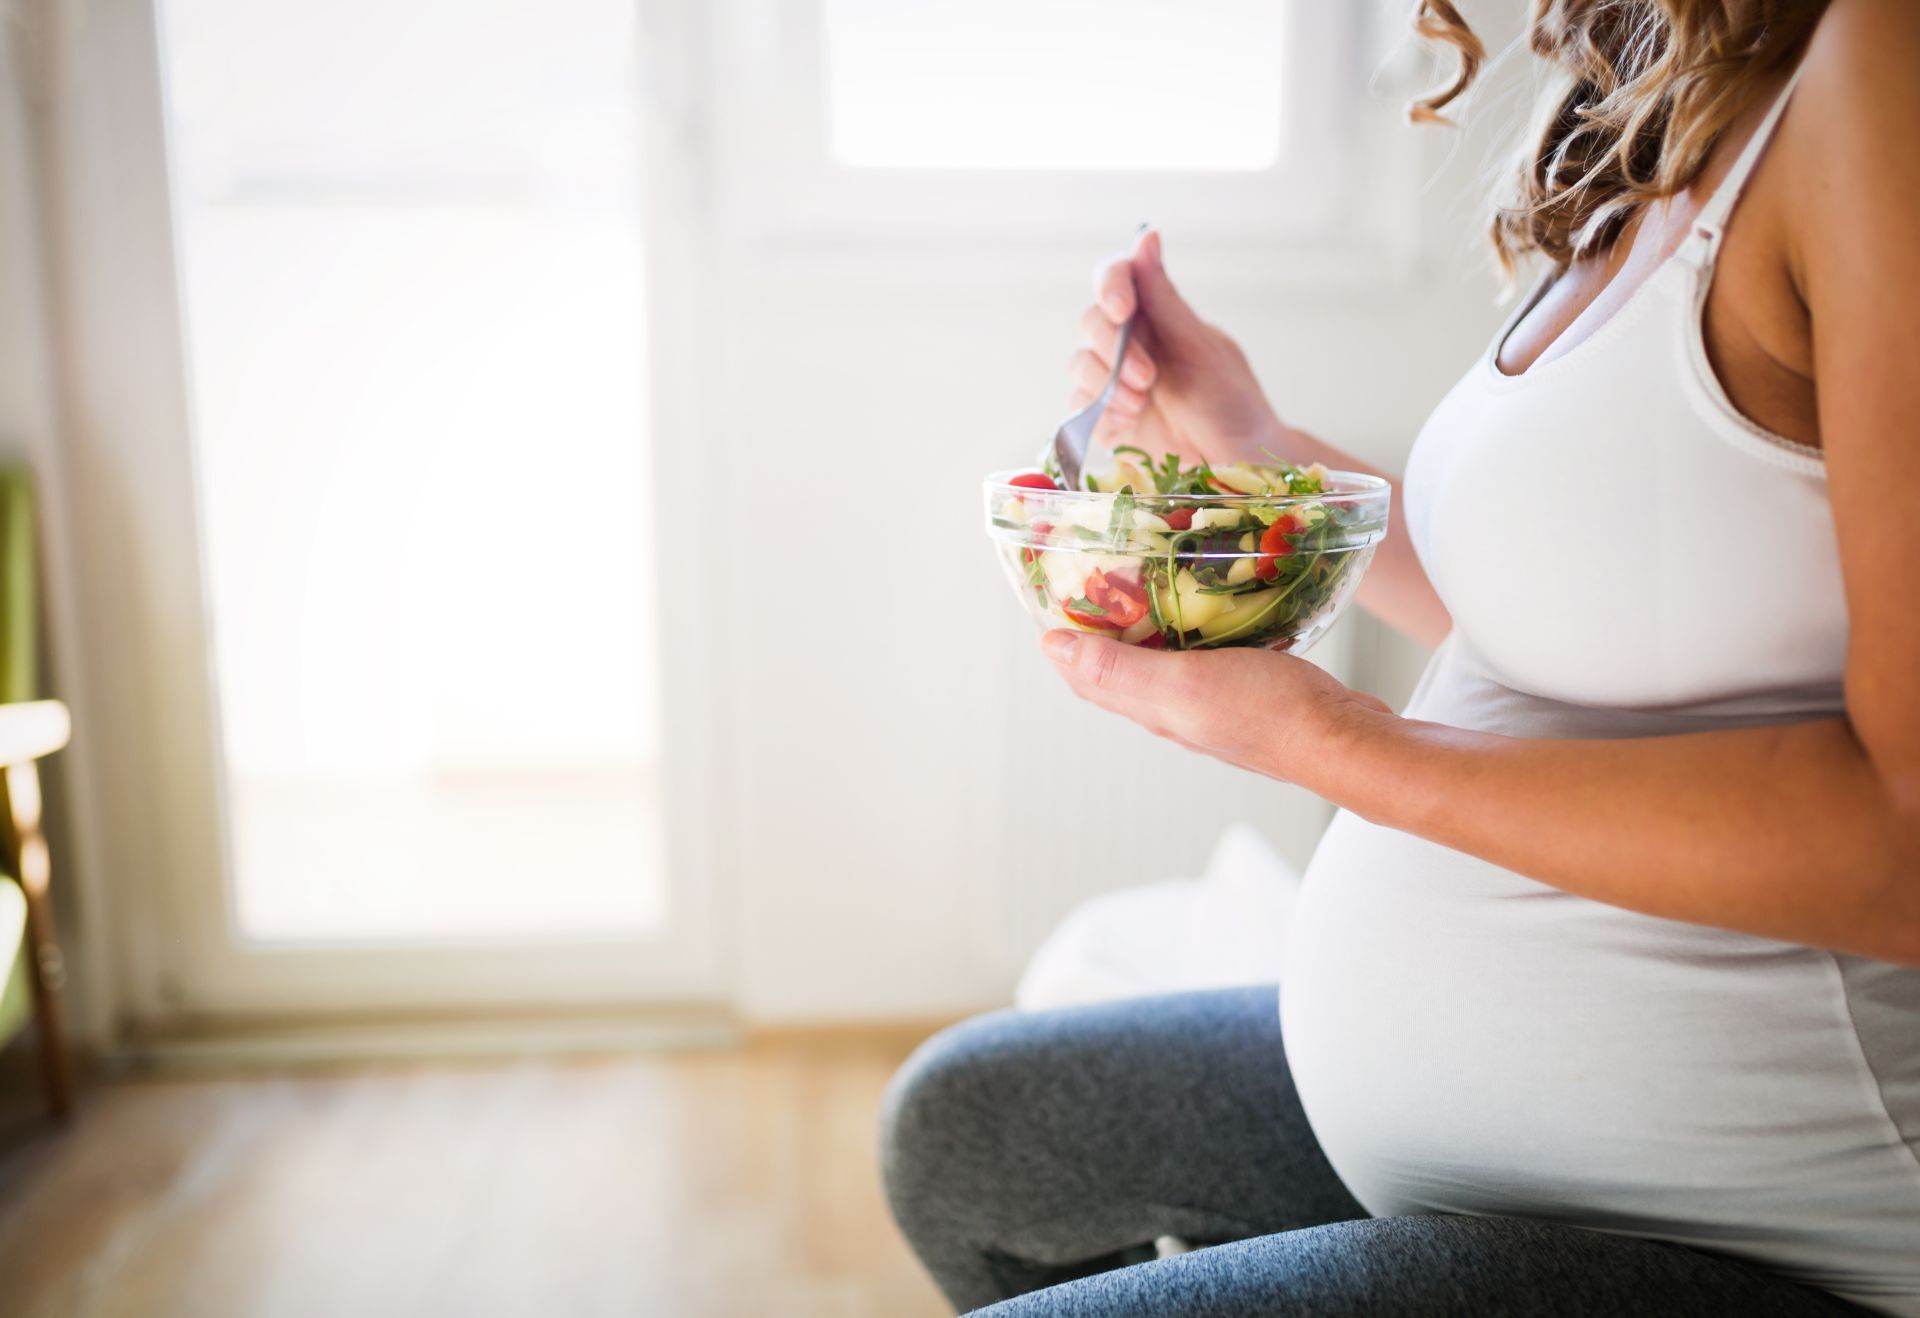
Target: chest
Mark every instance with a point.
(1757, 332)
(1608, 530)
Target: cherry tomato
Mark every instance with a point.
(1157, 641)
(1034, 480)
(1180, 519)
(1095, 621)
(1274, 546)
(1123, 598)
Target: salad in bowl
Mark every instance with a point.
(1171, 556)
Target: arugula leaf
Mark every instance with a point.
(1244, 588)
(1086, 606)
(1155, 584)
(1299, 479)
(1120, 525)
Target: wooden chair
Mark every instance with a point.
(32, 974)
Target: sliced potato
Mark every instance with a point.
(1206, 519)
(1066, 572)
(1191, 608)
(1242, 480)
(1091, 515)
(1128, 472)
(1116, 565)
(1245, 609)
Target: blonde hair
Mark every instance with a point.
(1643, 91)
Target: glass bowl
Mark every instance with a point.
(1188, 572)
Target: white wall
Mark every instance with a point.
(916, 796)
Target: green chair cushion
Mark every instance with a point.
(19, 603)
(19, 680)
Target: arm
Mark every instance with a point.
(1187, 388)
(1789, 832)
(1396, 589)
(1808, 833)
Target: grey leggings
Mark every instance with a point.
(1031, 1158)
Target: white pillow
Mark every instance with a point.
(1225, 928)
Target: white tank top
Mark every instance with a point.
(1623, 555)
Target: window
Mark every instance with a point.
(1013, 84)
(879, 128)
(411, 280)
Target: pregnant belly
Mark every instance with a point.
(1467, 1040)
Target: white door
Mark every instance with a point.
(360, 306)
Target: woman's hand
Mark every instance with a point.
(1186, 387)
(1271, 713)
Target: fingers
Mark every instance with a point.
(1114, 301)
(1257, 709)
(1139, 281)
(1152, 687)
(1113, 289)
(1117, 425)
(1169, 313)
(1101, 335)
(1088, 376)
(1115, 428)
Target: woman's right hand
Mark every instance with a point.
(1186, 387)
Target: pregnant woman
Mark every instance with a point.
(1602, 993)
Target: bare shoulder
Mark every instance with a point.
(1865, 25)
(1851, 213)
(1851, 143)
(1861, 86)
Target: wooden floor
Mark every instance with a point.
(692, 1184)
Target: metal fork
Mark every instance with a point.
(1070, 441)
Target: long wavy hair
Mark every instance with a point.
(1643, 90)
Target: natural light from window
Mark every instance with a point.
(1178, 85)
(412, 282)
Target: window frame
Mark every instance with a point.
(1316, 212)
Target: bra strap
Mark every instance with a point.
(1710, 225)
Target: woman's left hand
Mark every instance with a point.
(1268, 712)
